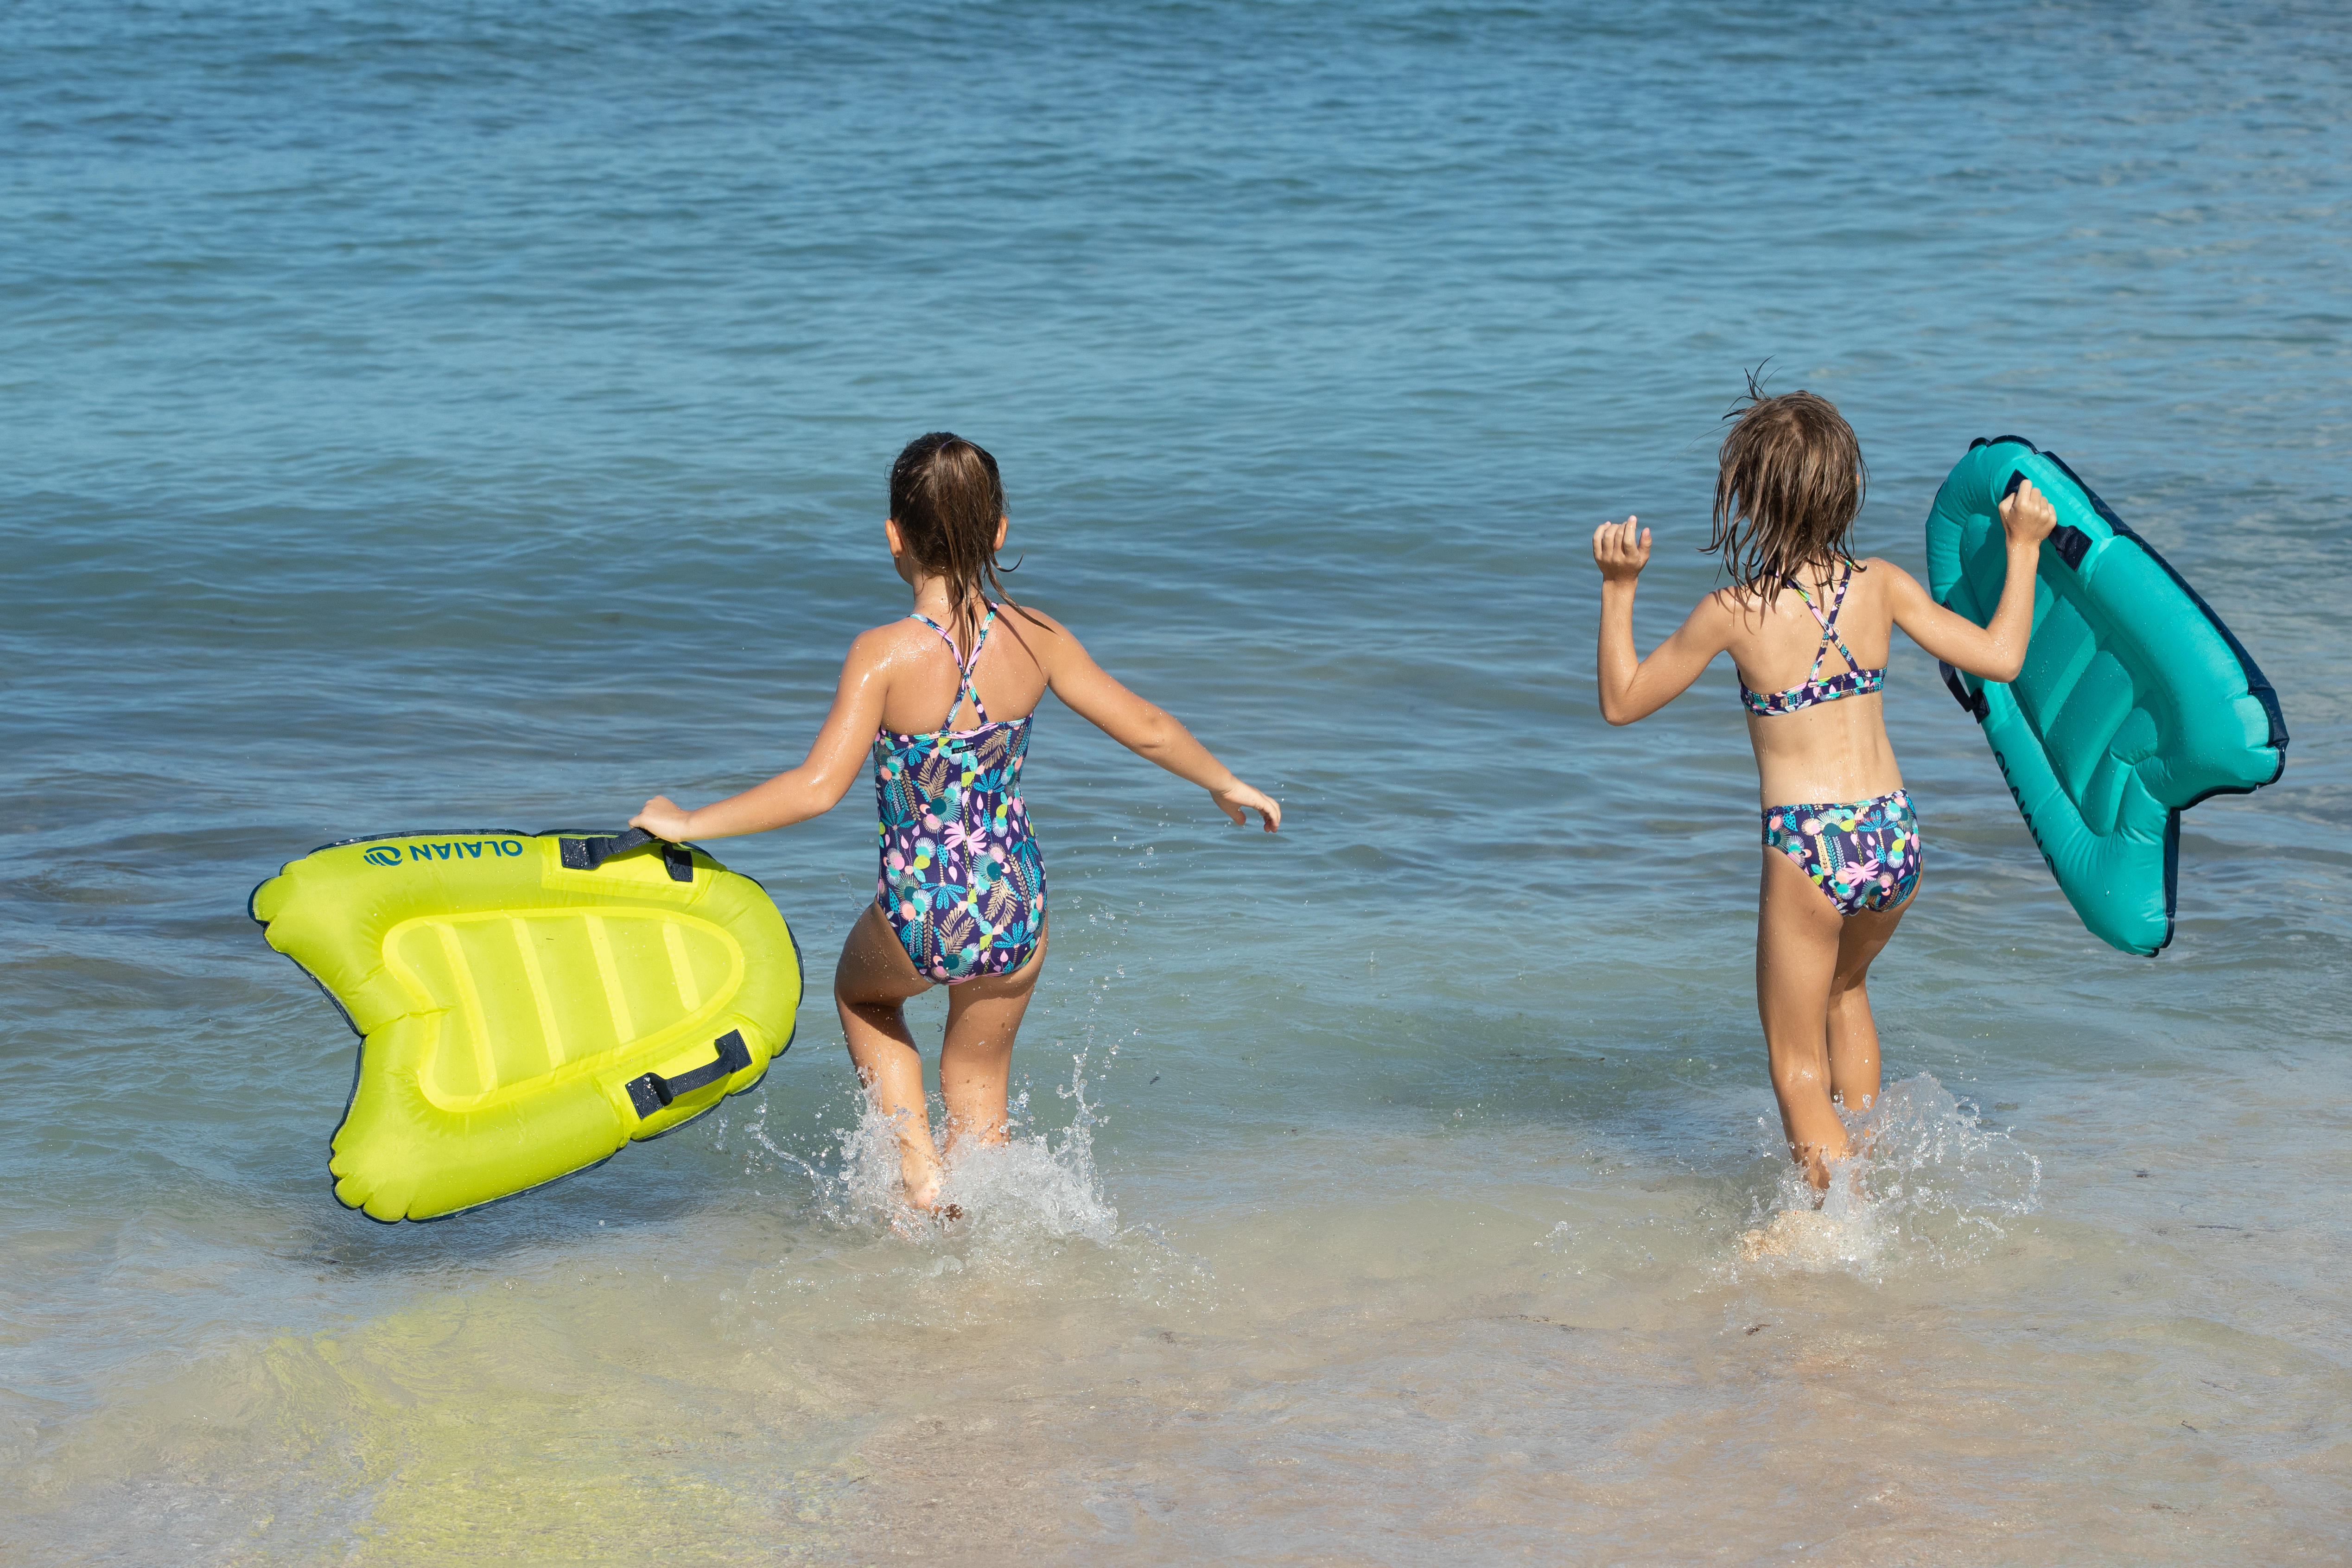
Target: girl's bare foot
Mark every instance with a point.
(1793, 1232)
(919, 1177)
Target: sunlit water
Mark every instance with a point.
(446, 414)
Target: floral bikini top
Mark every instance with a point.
(1853, 682)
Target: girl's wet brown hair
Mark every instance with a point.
(1788, 487)
(946, 497)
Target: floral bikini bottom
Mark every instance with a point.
(1861, 855)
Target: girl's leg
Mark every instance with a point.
(1854, 1034)
(1810, 963)
(870, 988)
(976, 1061)
(1798, 932)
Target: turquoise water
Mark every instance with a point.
(453, 414)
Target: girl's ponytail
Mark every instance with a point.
(947, 496)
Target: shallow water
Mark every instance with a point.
(451, 414)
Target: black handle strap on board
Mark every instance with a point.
(1974, 702)
(2070, 542)
(651, 1091)
(589, 853)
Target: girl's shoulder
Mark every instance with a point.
(1031, 632)
(1884, 578)
(1029, 616)
(892, 637)
(908, 634)
(1733, 604)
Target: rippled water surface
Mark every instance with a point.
(443, 413)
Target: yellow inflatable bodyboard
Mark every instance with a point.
(528, 1004)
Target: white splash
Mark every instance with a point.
(1033, 1186)
(1929, 1181)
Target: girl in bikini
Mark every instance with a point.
(960, 901)
(1841, 838)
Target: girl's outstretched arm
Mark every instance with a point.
(1996, 652)
(1144, 728)
(1633, 687)
(813, 788)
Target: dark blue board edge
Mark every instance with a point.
(2258, 686)
(359, 1054)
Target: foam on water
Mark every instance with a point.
(1035, 1186)
(1931, 1184)
(1029, 1217)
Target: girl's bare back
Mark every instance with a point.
(1827, 751)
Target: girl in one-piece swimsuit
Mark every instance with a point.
(1841, 838)
(961, 899)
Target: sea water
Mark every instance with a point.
(455, 414)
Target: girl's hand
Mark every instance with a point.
(1621, 549)
(2027, 517)
(663, 818)
(1237, 801)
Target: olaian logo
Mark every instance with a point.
(456, 850)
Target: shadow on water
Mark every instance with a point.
(574, 1210)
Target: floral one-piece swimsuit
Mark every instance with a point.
(1861, 855)
(963, 882)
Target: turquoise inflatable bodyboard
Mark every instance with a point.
(2135, 702)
